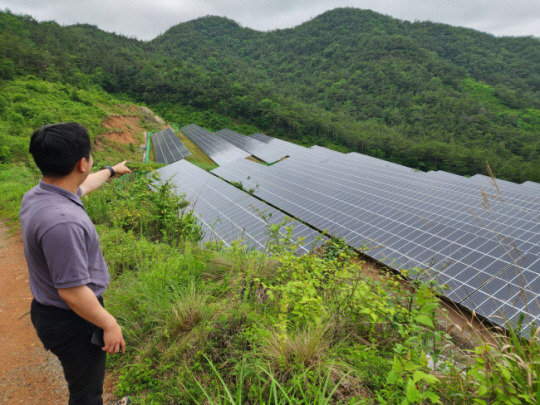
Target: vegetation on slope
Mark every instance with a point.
(425, 95)
(241, 327)
(28, 103)
(233, 326)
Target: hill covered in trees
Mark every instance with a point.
(426, 95)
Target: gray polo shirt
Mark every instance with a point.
(61, 244)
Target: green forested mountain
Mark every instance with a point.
(426, 95)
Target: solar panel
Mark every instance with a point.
(266, 152)
(442, 174)
(228, 214)
(530, 186)
(503, 185)
(325, 152)
(370, 160)
(167, 147)
(476, 243)
(288, 147)
(218, 149)
(262, 137)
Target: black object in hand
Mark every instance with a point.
(97, 337)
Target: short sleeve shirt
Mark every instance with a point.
(61, 244)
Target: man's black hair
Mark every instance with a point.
(57, 148)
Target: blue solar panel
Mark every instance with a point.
(288, 148)
(531, 187)
(474, 240)
(228, 214)
(264, 151)
(218, 149)
(167, 147)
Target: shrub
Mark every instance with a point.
(140, 204)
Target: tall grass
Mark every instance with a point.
(216, 327)
(319, 392)
(509, 370)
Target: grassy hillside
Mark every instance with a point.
(28, 103)
(239, 327)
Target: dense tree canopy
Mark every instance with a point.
(425, 95)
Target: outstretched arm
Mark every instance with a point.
(96, 180)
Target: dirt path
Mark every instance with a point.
(28, 373)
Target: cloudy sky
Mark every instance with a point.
(145, 19)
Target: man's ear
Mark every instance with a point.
(82, 165)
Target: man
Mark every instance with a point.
(67, 271)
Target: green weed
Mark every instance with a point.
(15, 181)
(509, 371)
(141, 204)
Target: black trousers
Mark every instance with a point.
(69, 336)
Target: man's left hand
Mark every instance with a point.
(121, 168)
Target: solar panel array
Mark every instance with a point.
(218, 149)
(319, 151)
(441, 174)
(167, 147)
(503, 186)
(228, 214)
(289, 148)
(266, 152)
(531, 187)
(263, 138)
(483, 247)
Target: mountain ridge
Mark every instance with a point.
(425, 95)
